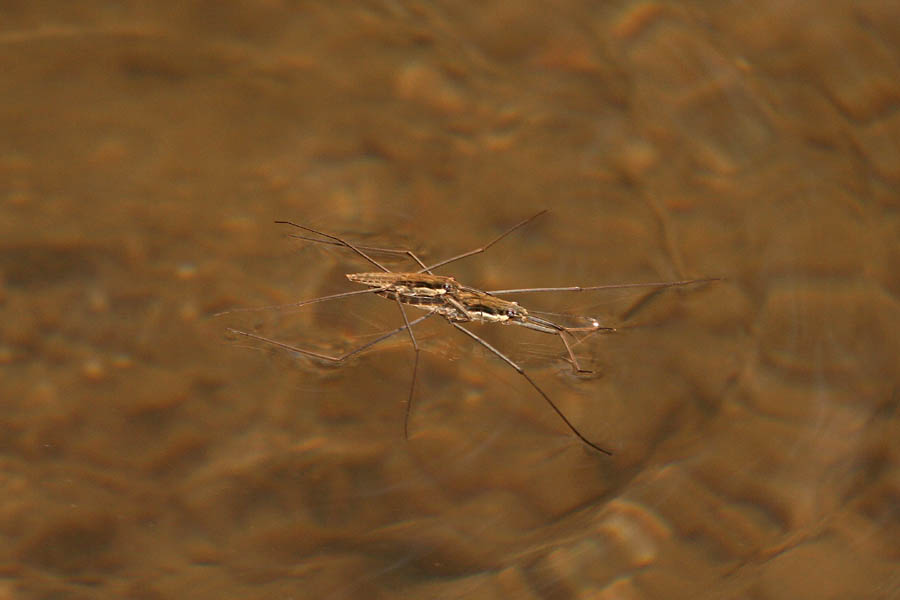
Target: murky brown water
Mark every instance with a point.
(145, 153)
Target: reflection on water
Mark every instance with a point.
(754, 422)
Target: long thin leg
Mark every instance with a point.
(589, 331)
(485, 247)
(340, 241)
(334, 359)
(408, 253)
(613, 286)
(572, 358)
(522, 372)
(412, 385)
(336, 241)
(544, 326)
(301, 303)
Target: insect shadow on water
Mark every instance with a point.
(442, 295)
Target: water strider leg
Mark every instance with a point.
(302, 302)
(485, 247)
(336, 241)
(612, 286)
(409, 253)
(334, 359)
(572, 359)
(340, 241)
(412, 384)
(590, 331)
(544, 326)
(522, 372)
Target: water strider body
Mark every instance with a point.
(444, 296)
(407, 285)
(457, 303)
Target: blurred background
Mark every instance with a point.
(147, 148)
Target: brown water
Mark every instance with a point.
(145, 153)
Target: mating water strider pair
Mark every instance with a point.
(456, 303)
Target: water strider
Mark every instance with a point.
(456, 303)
